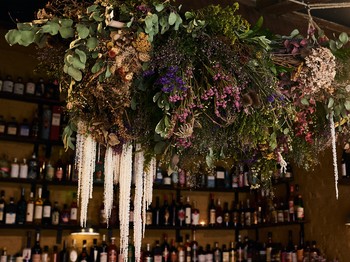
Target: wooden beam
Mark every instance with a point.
(279, 8)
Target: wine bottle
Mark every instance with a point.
(165, 249)
(194, 247)
(47, 209)
(217, 252)
(209, 253)
(226, 215)
(148, 256)
(181, 213)
(232, 252)
(149, 216)
(300, 249)
(300, 208)
(73, 252)
(84, 256)
(173, 252)
(21, 208)
(27, 250)
(188, 249)
(2, 206)
(195, 214)
(33, 167)
(10, 212)
(240, 249)
(94, 255)
(181, 252)
(30, 209)
(23, 169)
(36, 250)
(173, 211)
(45, 254)
(157, 252)
(103, 250)
(225, 254)
(63, 254)
(212, 212)
(14, 168)
(188, 212)
(38, 208)
(165, 212)
(219, 214)
(156, 213)
(55, 217)
(54, 255)
(269, 247)
(73, 217)
(112, 251)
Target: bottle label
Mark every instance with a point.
(103, 257)
(14, 170)
(201, 258)
(112, 256)
(24, 131)
(157, 258)
(7, 86)
(209, 257)
(11, 130)
(23, 171)
(55, 218)
(47, 211)
(73, 213)
(212, 217)
(225, 257)
(2, 206)
(18, 89)
(219, 220)
(195, 218)
(30, 88)
(181, 214)
(59, 173)
(73, 255)
(10, 218)
(36, 258)
(149, 218)
(30, 212)
(167, 180)
(300, 212)
(181, 256)
(188, 215)
(2, 129)
(210, 181)
(38, 212)
(291, 206)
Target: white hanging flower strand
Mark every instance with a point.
(282, 163)
(86, 155)
(138, 218)
(334, 151)
(108, 183)
(148, 190)
(124, 198)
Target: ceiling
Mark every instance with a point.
(280, 16)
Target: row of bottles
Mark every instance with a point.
(37, 210)
(264, 209)
(39, 169)
(237, 177)
(243, 250)
(30, 88)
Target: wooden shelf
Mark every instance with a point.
(29, 99)
(30, 140)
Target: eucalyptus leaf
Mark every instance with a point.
(347, 105)
(94, 55)
(330, 102)
(108, 72)
(81, 54)
(159, 7)
(148, 22)
(83, 31)
(92, 8)
(27, 38)
(13, 36)
(66, 22)
(160, 128)
(92, 43)
(98, 17)
(172, 18)
(155, 19)
(75, 73)
(77, 63)
(66, 32)
(50, 28)
(189, 15)
(96, 67)
(24, 26)
(156, 96)
(304, 101)
(332, 45)
(294, 33)
(178, 22)
(41, 40)
(344, 38)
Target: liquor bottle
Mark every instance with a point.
(300, 208)
(65, 214)
(21, 208)
(165, 213)
(34, 132)
(12, 127)
(226, 215)
(232, 252)
(59, 167)
(218, 214)
(300, 248)
(54, 255)
(210, 180)
(55, 217)
(157, 252)
(7, 85)
(38, 208)
(195, 214)
(33, 167)
(212, 212)
(23, 169)
(2, 125)
(269, 247)
(94, 251)
(73, 252)
(181, 251)
(47, 209)
(14, 168)
(209, 253)
(27, 250)
(24, 128)
(188, 249)
(181, 213)
(240, 249)
(36, 250)
(45, 254)
(103, 250)
(225, 254)
(159, 175)
(84, 256)
(112, 252)
(173, 211)
(10, 212)
(220, 177)
(217, 252)
(2, 206)
(201, 254)
(40, 88)
(149, 216)
(290, 246)
(148, 256)
(73, 216)
(30, 209)
(173, 252)
(156, 213)
(248, 214)
(3, 257)
(291, 204)
(188, 212)
(63, 254)
(49, 171)
(194, 247)
(30, 87)
(165, 249)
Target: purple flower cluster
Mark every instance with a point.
(144, 8)
(184, 142)
(171, 82)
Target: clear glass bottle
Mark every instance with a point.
(73, 251)
(14, 168)
(38, 208)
